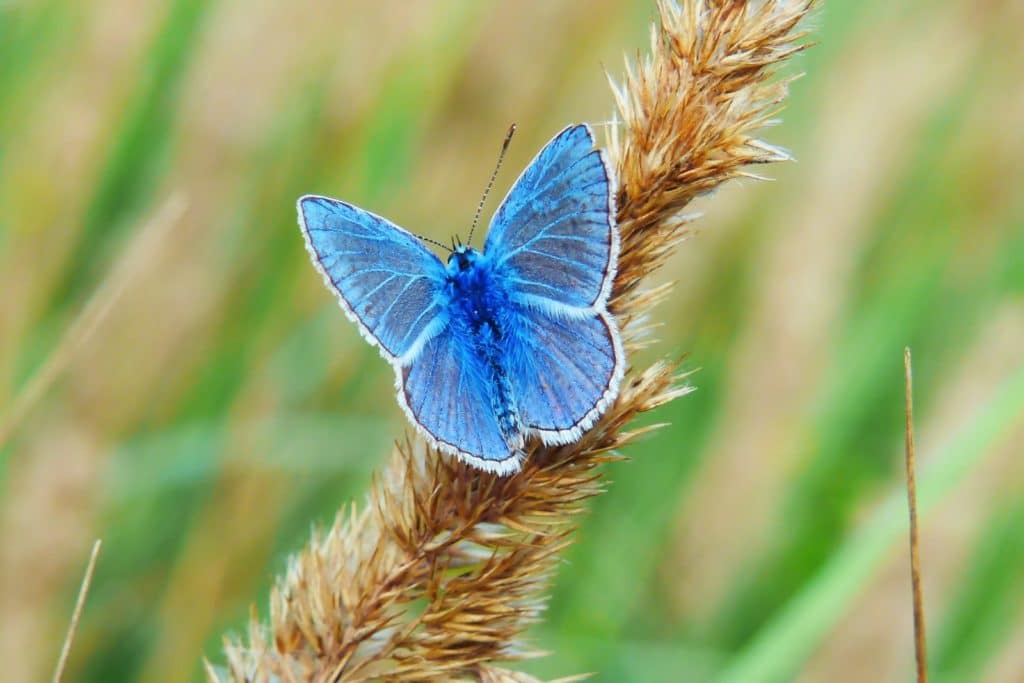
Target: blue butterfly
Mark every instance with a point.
(497, 345)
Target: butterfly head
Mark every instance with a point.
(462, 258)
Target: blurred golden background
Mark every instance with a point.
(177, 382)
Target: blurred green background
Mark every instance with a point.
(150, 157)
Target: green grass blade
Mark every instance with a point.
(138, 156)
(986, 602)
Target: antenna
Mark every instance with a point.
(434, 242)
(490, 183)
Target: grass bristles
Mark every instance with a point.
(439, 575)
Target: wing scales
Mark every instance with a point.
(386, 280)
(444, 392)
(567, 373)
(553, 236)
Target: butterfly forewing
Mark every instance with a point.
(388, 282)
(553, 237)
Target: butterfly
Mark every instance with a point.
(494, 346)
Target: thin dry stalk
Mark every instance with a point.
(76, 615)
(445, 568)
(920, 650)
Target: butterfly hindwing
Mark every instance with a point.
(554, 236)
(445, 391)
(387, 281)
(565, 373)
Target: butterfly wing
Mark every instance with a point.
(555, 243)
(445, 392)
(554, 237)
(387, 282)
(566, 373)
(392, 287)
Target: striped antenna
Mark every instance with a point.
(434, 242)
(490, 183)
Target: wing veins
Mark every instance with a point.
(377, 288)
(534, 192)
(568, 132)
(405, 289)
(357, 235)
(416, 322)
(571, 259)
(394, 273)
(564, 359)
(542, 233)
(532, 283)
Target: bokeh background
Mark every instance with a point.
(175, 379)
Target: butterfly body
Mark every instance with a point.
(499, 345)
(482, 316)
(475, 296)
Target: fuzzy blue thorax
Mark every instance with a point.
(480, 305)
(475, 292)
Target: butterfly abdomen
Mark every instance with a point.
(503, 404)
